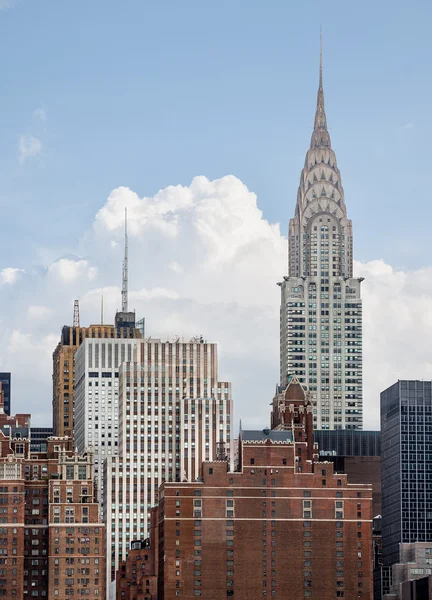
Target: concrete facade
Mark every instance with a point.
(415, 562)
(97, 365)
(173, 415)
(64, 368)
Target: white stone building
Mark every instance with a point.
(96, 398)
(321, 307)
(174, 414)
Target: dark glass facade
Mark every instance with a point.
(38, 438)
(5, 380)
(348, 442)
(406, 433)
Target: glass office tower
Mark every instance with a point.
(406, 450)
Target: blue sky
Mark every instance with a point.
(98, 94)
(148, 94)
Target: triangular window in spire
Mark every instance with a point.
(323, 192)
(315, 178)
(331, 177)
(322, 175)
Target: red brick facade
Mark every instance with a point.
(52, 545)
(282, 526)
(137, 577)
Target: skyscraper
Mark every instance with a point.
(321, 308)
(64, 368)
(174, 413)
(96, 398)
(406, 438)
(72, 337)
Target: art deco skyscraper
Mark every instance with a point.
(174, 413)
(321, 308)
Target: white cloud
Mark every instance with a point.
(152, 294)
(230, 259)
(175, 267)
(29, 358)
(38, 312)
(29, 147)
(40, 114)
(5, 4)
(69, 270)
(10, 275)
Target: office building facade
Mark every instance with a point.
(6, 384)
(321, 307)
(64, 366)
(97, 364)
(406, 438)
(39, 438)
(356, 453)
(173, 414)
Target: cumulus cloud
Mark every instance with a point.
(175, 267)
(230, 258)
(10, 275)
(38, 312)
(68, 270)
(28, 147)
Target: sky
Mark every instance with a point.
(197, 116)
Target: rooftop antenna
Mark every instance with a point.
(102, 309)
(320, 79)
(125, 270)
(76, 317)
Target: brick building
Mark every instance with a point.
(282, 521)
(53, 542)
(137, 577)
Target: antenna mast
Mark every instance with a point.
(125, 270)
(76, 317)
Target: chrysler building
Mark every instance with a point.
(321, 307)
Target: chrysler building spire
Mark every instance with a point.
(321, 326)
(320, 135)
